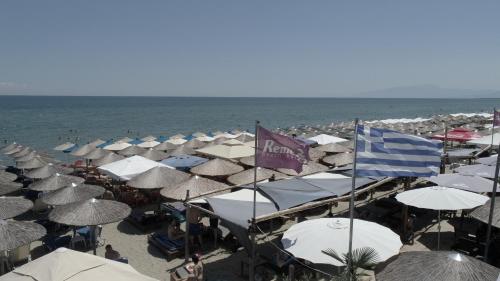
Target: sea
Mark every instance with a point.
(43, 122)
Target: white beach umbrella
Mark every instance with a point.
(441, 198)
(323, 139)
(177, 141)
(149, 144)
(205, 138)
(486, 140)
(481, 170)
(64, 146)
(129, 167)
(491, 161)
(308, 239)
(65, 264)
(117, 146)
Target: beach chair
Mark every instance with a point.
(78, 239)
(168, 247)
(51, 243)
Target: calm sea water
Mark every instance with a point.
(43, 122)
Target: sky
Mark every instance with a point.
(246, 48)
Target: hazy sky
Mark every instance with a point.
(246, 48)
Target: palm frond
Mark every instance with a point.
(365, 258)
(332, 253)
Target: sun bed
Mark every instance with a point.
(147, 220)
(167, 246)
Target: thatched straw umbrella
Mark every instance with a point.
(307, 169)
(109, 158)
(178, 136)
(245, 138)
(9, 147)
(196, 185)
(164, 146)
(195, 144)
(72, 193)
(13, 150)
(14, 234)
(148, 144)
(483, 213)
(13, 206)
(177, 141)
(247, 176)
(47, 171)
(34, 163)
(158, 177)
(28, 156)
(249, 161)
(437, 265)
(21, 152)
(90, 212)
(132, 150)
(219, 140)
(316, 154)
(64, 146)
(55, 182)
(148, 138)
(217, 167)
(333, 148)
(154, 155)
(86, 149)
(182, 150)
(340, 159)
(96, 154)
(6, 176)
(9, 187)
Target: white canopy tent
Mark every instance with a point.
(326, 139)
(486, 140)
(129, 167)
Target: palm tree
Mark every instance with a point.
(362, 258)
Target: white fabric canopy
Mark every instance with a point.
(227, 151)
(441, 198)
(325, 175)
(237, 207)
(65, 264)
(127, 168)
(117, 146)
(64, 146)
(326, 139)
(308, 239)
(486, 140)
(148, 144)
(226, 135)
(177, 141)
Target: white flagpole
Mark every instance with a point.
(492, 208)
(493, 130)
(351, 204)
(251, 270)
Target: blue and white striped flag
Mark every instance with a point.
(382, 152)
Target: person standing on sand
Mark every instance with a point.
(195, 225)
(197, 269)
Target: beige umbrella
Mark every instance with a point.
(333, 148)
(90, 212)
(483, 213)
(7, 176)
(97, 142)
(247, 176)
(13, 206)
(340, 159)
(307, 169)
(21, 152)
(245, 138)
(196, 185)
(47, 171)
(85, 149)
(148, 144)
(249, 161)
(316, 154)
(178, 136)
(28, 156)
(72, 193)
(227, 151)
(65, 264)
(217, 167)
(64, 146)
(198, 134)
(117, 146)
(132, 150)
(14, 234)
(177, 141)
(148, 138)
(154, 155)
(164, 146)
(219, 140)
(182, 150)
(195, 144)
(9, 187)
(158, 177)
(233, 142)
(96, 154)
(109, 158)
(34, 163)
(9, 147)
(13, 150)
(55, 182)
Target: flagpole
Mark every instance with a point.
(493, 130)
(251, 270)
(492, 207)
(351, 204)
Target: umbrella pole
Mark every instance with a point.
(186, 232)
(251, 269)
(493, 130)
(439, 228)
(492, 208)
(351, 203)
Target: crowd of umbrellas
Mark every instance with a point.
(200, 164)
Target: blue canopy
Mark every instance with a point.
(135, 141)
(184, 161)
(106, 143)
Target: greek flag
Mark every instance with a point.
(382, 152)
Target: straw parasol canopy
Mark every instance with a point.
(164, 146)
(483, 213)
(21, 152)
(6, 176)
(307, 169)
(9, 187)
(81, 151)
(64, 146)
(316, 154)
(437, 265)
(233, 142)
(109, 158)
(249, 161)
(219, 140)
(217, 167)
(55, 182)
(177, 141)
(47, 171)
(247, 176)
(195, 144)
(28, 156)
(178, 136)
(90, 212)
(72, 193)
(34, 163)
(9, 147)
(13, 206)
(148, 138)
(245, 138)
(96, 154)
(13, 150)
(333, 148)
(182, 150)
(158, 177)
(196, 185)
(117, 146)
(14, 234)
(340, 159)
(132, 150)
(154, 155)
(148, 144)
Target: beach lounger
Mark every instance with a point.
(148, 220)
(169, 247)
(51, 243)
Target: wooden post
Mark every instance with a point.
(186, 233)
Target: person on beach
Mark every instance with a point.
(197, 269)
(111, 254)
(174, 231)
(195, 226)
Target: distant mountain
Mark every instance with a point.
(428, 91)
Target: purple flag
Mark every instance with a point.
(496, 118)
(278, 151)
